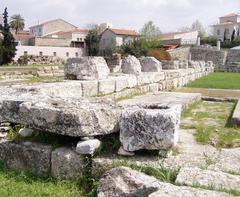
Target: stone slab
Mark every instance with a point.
(236, 115)
(66, 164)
(65, 116)
(208, 178)
(27, 156)
(164, 98)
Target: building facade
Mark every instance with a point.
(114, 38)
(180, 38)
(50, 26)
(227, 26)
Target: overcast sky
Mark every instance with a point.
(169, 15)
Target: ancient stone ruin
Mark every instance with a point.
(83, 109)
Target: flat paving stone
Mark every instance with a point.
(236, 115)
(164, 98)
(208, 178)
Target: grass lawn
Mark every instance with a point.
(14, 184)
(211, 121)
(218, 80)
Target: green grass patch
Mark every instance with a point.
(211, 120)
(218, 80)
(22, 184)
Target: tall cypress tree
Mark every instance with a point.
(8, 44)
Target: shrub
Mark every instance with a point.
(211, 40)
(159, 54)
(140, 47)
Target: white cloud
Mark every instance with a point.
(169, 15)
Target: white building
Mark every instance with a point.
(114, 38)
(179, 38)
(226, 26)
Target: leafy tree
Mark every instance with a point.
(92, 42)
(140, 47)
(197, 26)
(233, 35)
(17, 23)
(150, 30)
(8, 46)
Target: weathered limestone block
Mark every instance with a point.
(150, 64)
(71, 117)
(86, 68)
(172, 190)
(66, 164)
(123, 181)
(106, 86)
(121, 82)
(207, 178)
(132, 81)
(27, 156)
(236, 115)
(88, 147)
(150, 77)
(183, 64)
(152, 127)
(89, 88)
(170, 65)
(131, 65)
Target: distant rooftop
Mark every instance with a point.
(75, 30)
(47, 22)
(230, 15)
(124, 32)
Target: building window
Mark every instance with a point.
(218, 32)
(103, 41)
(76, 54)
(54, 53)
(40, 53)
(81, 39)
(78, 39)
(25, 53)
(67, 54)
(111, 40)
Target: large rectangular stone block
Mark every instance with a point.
(106, 86)
(27, 156)
(89, 88)
(66, 164)
(152, 127)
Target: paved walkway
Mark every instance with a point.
(235, 94)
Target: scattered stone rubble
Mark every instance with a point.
(125, 182)
(44, 59)
(64, 109)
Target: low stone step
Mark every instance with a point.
(236, 115)
(176, 191)
(227, 160)
(207, 178)
(123, 181)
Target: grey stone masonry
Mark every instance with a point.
(208, 178)
(66, 164)
(27, 156)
